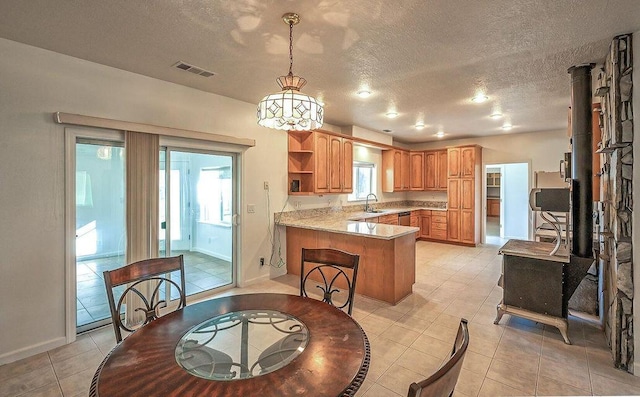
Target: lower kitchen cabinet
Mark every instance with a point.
(493, 207)
(453, 225)
(425, 224)
(391, 219)
(439, 225)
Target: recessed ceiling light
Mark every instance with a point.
(440, 134)
(392, 115)
(420, 125)
(479, 98)
(496, 115)
(507, 127)
(364, 93)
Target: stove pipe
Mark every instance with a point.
(581, 161)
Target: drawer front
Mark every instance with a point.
(439, 218)
(439, 234)
(438, 226)
(388, 219)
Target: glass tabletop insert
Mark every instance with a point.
(241, 344)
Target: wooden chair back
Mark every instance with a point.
(138, 277)
(443, 381)
(328, 269)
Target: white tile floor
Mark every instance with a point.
(408, 341)
(202, 272)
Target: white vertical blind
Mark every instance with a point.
(141, 178)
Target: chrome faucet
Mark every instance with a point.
(367, 208)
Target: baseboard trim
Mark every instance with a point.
(205, 252)
(254, 280)
(32, 350)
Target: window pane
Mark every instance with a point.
(363, 181)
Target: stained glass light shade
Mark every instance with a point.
(290, 109)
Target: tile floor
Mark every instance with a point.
(202, 272)
(408, 341)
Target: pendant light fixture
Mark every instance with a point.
(290, 109)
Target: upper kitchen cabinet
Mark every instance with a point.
(301, 164)
(462, 161)
(319, 163)
(435, 170)
(416, 172)
(442, 175)
(396, 170)
(453, 161)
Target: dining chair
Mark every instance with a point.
(327, 266)
(443, 381)
(145, 280)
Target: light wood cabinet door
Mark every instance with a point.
(397, 171)
(453, 225)
(405, 170)
(493, 207)
(425, 226)
(442, 174)
(391, 219)
(467, 194)
(416, 170)
(453, 161)
(467, 162)
(453, 194)
(431, 171)
(335, 164)
(467, 227)
(322, 162)
(347, 165)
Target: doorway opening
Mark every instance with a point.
(507, 202)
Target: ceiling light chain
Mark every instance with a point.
(291, 23)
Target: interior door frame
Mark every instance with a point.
(500, 164)
(71, 137)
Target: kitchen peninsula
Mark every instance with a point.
(387, 251)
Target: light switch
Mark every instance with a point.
(251, 208)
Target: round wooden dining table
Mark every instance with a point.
(334, 361)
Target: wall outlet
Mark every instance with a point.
(261, 262)
(266, 185)
(297, 204)
(251, 208)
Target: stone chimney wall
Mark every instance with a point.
(616, 122)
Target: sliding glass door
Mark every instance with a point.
(100, 226)
(197, 203)
(197, 192)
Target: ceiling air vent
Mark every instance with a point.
(193, 69)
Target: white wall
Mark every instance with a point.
(516, 201)
(34, 84)
(543, 149)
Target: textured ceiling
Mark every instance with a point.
(423, 59)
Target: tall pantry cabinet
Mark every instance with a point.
(463, 198)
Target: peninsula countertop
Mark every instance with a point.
(349, 222)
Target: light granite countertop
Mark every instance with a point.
(349, 221)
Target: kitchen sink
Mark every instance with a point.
(376, 211)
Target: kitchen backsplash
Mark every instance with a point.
(353, 208)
